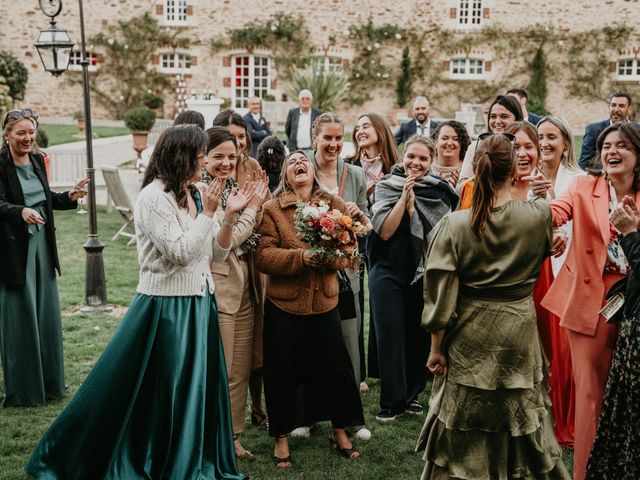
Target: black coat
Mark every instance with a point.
(257, 131)
(14, 236)
(409, 128)
(291, 127)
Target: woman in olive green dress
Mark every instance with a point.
(30, 324)
(156, 404)
(489, 410)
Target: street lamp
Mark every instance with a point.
(54, 47)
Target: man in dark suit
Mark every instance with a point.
(257, 125)
(421, 124)
(620, 107)
(299, 121)
(522, 96)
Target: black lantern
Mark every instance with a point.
(54, 47)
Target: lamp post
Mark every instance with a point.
(54, 47)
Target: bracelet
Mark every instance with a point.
(227, 224)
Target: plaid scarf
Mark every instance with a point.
(434, 198)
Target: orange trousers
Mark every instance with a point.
(591, 358)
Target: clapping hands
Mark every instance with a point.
(625, 216)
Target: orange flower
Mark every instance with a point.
(346, 221)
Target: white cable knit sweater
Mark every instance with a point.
(174, 250)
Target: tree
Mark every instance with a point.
(126, 76)
(327, 87)
(13, 78)
(538, 84)
(404, 85)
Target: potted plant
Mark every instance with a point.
(139, 121)
(154, 102)
(78, 116)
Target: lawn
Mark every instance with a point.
(388, 455)
(59, 134)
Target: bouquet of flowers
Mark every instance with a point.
(329, 232)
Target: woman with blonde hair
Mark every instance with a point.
(488, 414)
(304, 348)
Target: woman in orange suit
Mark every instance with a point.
(595, 261)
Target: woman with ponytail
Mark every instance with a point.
(488, 414)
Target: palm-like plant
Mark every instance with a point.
(327, 87)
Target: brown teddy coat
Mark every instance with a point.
(293, 286)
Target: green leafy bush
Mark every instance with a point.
(151, 100)
(140, 119)
(328, 89)
(15, 75)
(42, 139)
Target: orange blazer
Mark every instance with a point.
(578, 291)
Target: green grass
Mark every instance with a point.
(388, 455)
(59, 134)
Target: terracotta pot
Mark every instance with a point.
(80, 124)
(140, 141)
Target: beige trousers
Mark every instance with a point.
(237, 340)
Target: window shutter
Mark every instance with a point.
(99, 57)
(445, 65)
(155, 59)
(226, 61)
(487, 66)
(159, 9)
(226, 82)
(453, 13)
(274, 84)
(189, 9)
(485, 13)
(613, 66)
(345, 63)
(193, 60)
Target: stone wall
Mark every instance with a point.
(208, 18)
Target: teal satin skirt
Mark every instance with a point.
(155, 406)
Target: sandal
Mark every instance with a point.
(286, 461)
(282, 462)
(259, 419)
(348, 453)
(244, 453)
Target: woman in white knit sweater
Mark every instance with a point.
(156, 404)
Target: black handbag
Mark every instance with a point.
(346, 297)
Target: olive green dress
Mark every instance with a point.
(489, 417)
(30, 323)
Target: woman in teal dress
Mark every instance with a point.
(489, 410)
(156, 404)
(30, 323)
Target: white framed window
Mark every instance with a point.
(470, 13)
(250, 78)
(175, 12)
(175, 62)
(329, 64)
(628, 69)
(76, 58)
(466, 68)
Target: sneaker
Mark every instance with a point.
(363, 433)
(301, 432)
(387, 415)
(414, 408)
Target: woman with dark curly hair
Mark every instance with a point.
(452, 140)
(271, 154)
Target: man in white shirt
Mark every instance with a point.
(299, 121)
(419, 125)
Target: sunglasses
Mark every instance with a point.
(16, 114)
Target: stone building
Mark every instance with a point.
(467, 51)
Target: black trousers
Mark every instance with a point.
(307, 372)
(402, 344)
